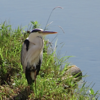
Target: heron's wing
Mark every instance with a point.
(39, 63)
(31, 52)
(24, 53)
(38, 66)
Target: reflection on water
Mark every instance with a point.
(79, 19)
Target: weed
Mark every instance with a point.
(50, 85)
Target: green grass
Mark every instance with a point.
(49, 86)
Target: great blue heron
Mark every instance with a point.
(32, 53)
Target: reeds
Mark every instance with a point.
(50, 86)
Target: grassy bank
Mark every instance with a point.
(50, 85)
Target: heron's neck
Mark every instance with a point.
(32, 36)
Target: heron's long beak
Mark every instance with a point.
(47, 32)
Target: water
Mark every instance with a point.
(80, 21)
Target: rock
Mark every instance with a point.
(73, 71)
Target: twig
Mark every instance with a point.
(61, 28)
(51, 14)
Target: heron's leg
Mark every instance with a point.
(33, 72)
(30, 73)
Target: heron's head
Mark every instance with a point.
(41, 32)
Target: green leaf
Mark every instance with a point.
(91, 91)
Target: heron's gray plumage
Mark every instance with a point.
(31, 57)
(32, 54)
(23, 55)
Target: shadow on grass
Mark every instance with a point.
(23, 95)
